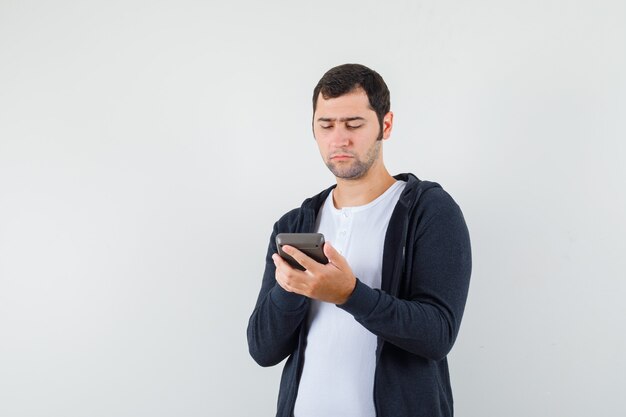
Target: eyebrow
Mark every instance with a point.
(342, 119)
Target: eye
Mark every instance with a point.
(352, 127)
(326, 126)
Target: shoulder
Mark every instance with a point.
(289, 221)
(427, 200)
(302, 219)
(434, 197)
(422, 193)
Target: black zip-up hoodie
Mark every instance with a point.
(415, 314)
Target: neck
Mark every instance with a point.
(351, 193)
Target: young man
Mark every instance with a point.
(368, 333)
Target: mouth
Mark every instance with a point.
(341, 157)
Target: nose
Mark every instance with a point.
(340, 137)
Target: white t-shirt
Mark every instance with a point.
(340, 355)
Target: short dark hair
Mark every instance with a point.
(348, 77)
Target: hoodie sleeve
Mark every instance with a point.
(274, 325)
(425, 321)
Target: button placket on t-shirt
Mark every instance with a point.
(345, 228)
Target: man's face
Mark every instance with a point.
(346, 130)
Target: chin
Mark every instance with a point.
(348, 175)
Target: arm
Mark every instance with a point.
(427, 321)
(274, 325)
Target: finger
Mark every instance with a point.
(334, 257)
(300, 257)
(281, 280)
(291, 282)
(283, 265)
(290, 278)
(279, 262)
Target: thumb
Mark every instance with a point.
(334, 257)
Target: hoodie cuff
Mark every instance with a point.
(285, 300)
(362, 301)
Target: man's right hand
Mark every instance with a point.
(331, 283)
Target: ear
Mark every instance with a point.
(387, 125)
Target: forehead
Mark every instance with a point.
(350, 104)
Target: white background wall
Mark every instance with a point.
(147, 147)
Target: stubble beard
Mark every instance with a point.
(357, 168)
